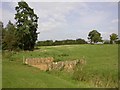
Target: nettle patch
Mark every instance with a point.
(48, 64)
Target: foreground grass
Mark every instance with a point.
(102, 65)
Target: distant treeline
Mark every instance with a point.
(69, 42)
(61, 42)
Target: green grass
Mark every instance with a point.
(102, 63)
(0, 69)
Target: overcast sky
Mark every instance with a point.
(69, 20)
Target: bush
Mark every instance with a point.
(8, 55)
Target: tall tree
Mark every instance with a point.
(113, 38)
(94, 36)
(26, 26)
(9, 40)
(1, 28)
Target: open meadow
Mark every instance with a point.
(101, 69)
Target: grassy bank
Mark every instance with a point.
(101, 69)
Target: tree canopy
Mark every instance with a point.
(1, 27)
(94, 36)
(9, 41)
(113, 37)
(26, 26)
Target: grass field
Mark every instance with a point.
(101, 69)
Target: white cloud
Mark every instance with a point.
(52, 15)
(95, 18)
(53, 18)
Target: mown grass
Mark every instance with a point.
(101, 66)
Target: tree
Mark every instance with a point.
(94, 36)
(26, 26)
(80, 41)
(9, 41)
(1, 28)
(113, 38)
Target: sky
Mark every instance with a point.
(69, 20)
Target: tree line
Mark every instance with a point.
(23, 34)
(94, 37)
(61, 42)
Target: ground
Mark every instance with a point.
(101, 69)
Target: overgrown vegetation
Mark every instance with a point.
(98, 80)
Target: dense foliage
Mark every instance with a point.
(26, 26)
(1, 27)
(9, 39)
(23, 34)
(113, 38)
(94, 36)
